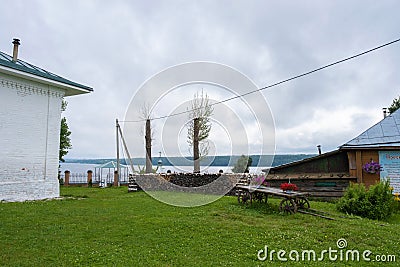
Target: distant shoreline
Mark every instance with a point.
(257, 160)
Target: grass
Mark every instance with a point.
(110, 227)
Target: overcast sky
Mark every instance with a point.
(115, 46)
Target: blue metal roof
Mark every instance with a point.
(6, 61)
(385, 133)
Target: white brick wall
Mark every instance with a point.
(29, 139)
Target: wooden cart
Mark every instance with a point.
(290, 203)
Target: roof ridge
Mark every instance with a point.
(21, 65)
(389, 133)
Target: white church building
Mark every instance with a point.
(30, 117)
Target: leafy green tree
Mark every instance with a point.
(65, 140)
(395, 105)
(242, 164)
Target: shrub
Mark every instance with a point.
(397, 202)
(242, 164)
(376, 203)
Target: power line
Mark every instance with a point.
(278, 83)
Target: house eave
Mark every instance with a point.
(70, 90)
(369, 148)
(290, 164)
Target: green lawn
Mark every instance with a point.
(115, 228)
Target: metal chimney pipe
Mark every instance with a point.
(384, 112)
(15, 50)
(319, 149)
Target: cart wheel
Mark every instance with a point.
(244, 197)
(302, 203)
(288, 206)
(260, 197)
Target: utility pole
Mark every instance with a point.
(126, 148)
(117, 135)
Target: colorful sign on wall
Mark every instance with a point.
(390, 162)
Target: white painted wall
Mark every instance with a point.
(30, 115)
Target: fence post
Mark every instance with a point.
(89, 178)
(115, 178)
(66, 178)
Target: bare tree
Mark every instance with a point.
(146, 114)
(199, 127)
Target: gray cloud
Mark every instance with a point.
(114, 46)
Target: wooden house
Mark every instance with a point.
(381, 144)
(325, 175)
(328, 174)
